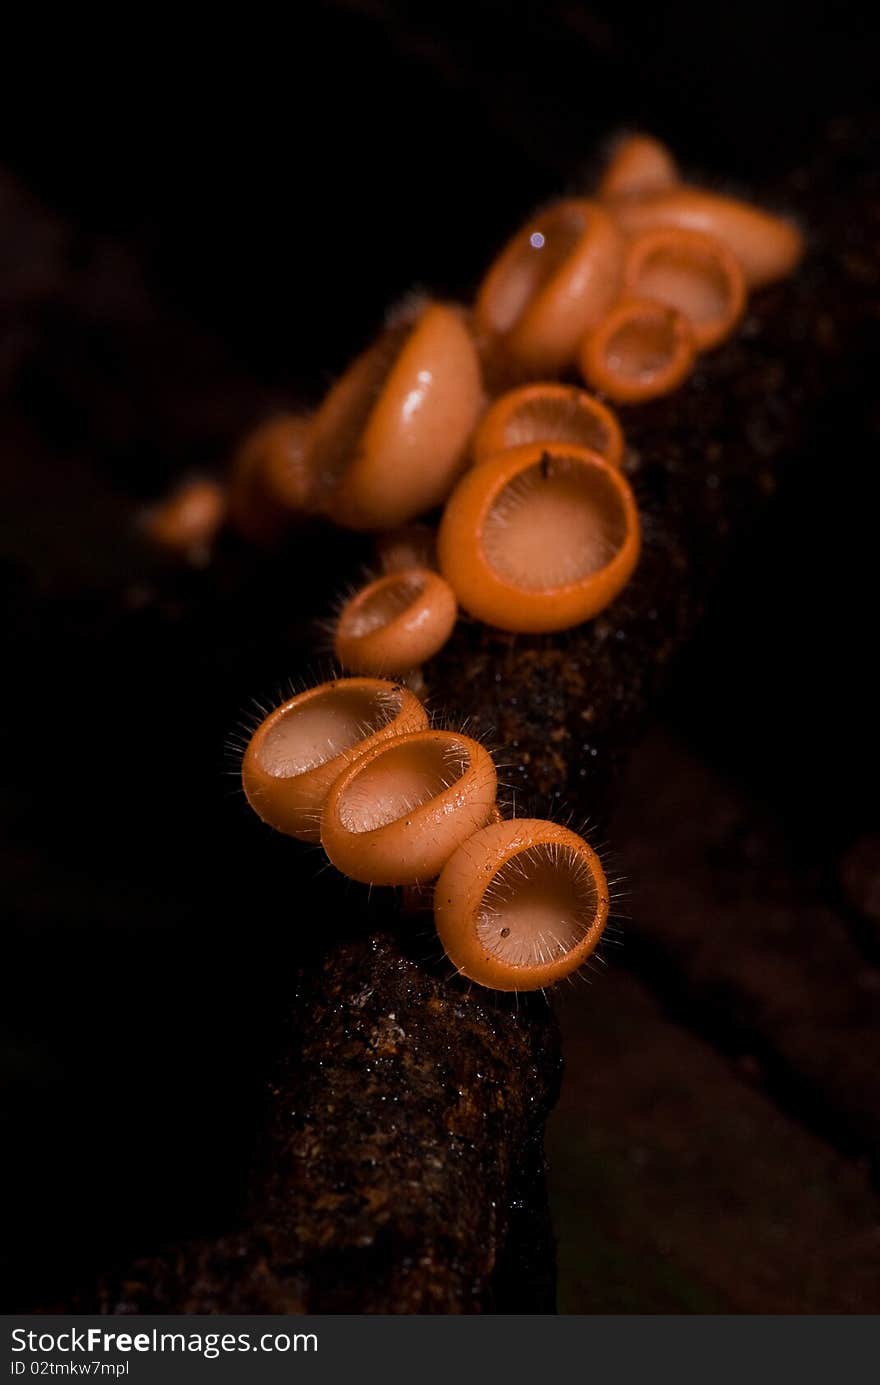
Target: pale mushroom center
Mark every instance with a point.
(382, 605)
(556, 523)
(323, 727)
(538, 907)
(642, 345)
(399, 782)
(686, 278)
(557, 418)
(537, 254)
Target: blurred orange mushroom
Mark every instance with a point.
(410, 545)
(550, 283)
(768, 247)
(641, 350)
(690, 271)
(187, 520)
(548, 412)
(638, 164)
(271, 480)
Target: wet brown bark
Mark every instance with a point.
(405, 1120)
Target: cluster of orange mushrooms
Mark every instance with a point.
(354, 764)
(478, 411)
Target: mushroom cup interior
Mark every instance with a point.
(399, 781)
(642, 345)
(323, 727)
(536, 255)
(556, 418)
(382, 605)
(687, 278)
(555, 524)
(538, 907)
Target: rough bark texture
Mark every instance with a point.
(404, 1114)
(406, 1107)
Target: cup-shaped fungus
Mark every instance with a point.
(295, 755)
(271, 478)
(396, 623)
(552, 282)
(539, 537)
(638, 165)
(642, 349)
(691, 271)
(521, 905)
(767, 246)
(390, 437)
(398, 813)
(548, 413)
(187, 519)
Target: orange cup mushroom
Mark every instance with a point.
(295, 755)
(690, 271)
(187, 520)
(638, 165)
(400, 811)
(548, 413)
(396, 623)
(768, 247)
(641, 350)
(539, 538)
(553, 281)
(271, 478)
(521, 904)
(391, 436)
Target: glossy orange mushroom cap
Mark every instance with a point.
(391, 436)
(396, 816)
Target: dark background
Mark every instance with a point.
(195, 228)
